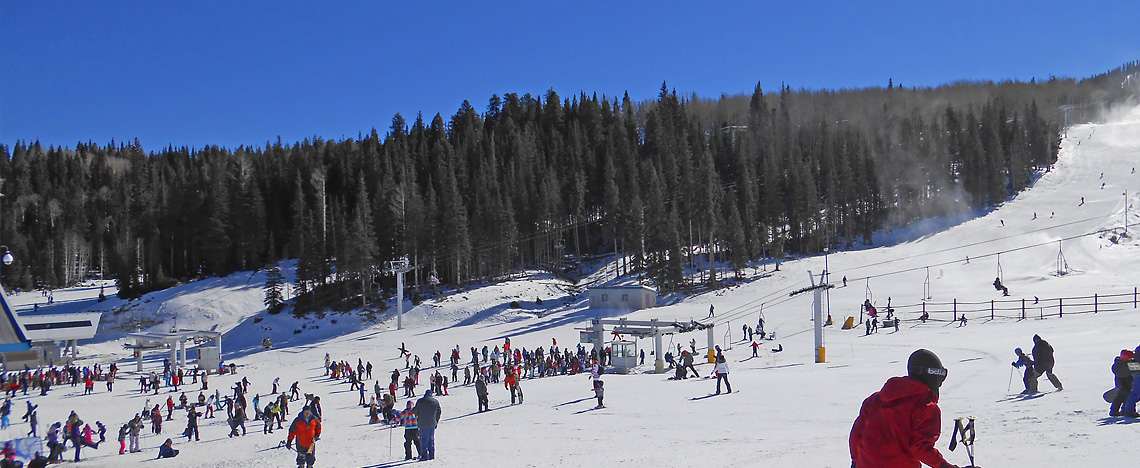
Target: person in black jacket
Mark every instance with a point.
(1043, 360)
(1123, 376)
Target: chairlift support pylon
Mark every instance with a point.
(926, 285)
(1062, 264)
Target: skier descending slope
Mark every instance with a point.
(898, 425)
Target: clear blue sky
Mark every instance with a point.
(233, 73)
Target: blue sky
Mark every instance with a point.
(234, 73)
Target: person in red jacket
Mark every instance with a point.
(511, 382)
(307, 430)
(898, 425)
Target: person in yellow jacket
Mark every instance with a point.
(307, 430)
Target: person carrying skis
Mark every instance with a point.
(898, 425)
(306, 428)
(1043, 361)
(1123, 379)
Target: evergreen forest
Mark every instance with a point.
(667, 187)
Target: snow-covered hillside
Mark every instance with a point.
(785, 410)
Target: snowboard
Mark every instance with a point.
(1110, 395)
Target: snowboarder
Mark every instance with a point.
(1043, 361)
(687, 359)
(898, 425)
(192, 416)
(1129, 407)
(167, 450)
(1123, 379)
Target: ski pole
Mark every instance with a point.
(1010, 386)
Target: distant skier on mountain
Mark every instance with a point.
(898, 425)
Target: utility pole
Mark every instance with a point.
(1125, 213)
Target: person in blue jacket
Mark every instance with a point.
(1129, 407)
(167, 450)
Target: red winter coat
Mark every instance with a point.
(897, 427)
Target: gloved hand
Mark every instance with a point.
(316, 438)
(1016, 364)
(289, 444)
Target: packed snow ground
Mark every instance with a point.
(785, 410)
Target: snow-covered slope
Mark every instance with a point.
(785, 410)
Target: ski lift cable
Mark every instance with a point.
(749, 307)
(1015, 249)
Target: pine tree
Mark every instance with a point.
(274, 282)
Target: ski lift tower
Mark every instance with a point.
(817, 313)
(398, 268)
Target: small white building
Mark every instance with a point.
(628, 298)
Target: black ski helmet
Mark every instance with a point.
(925, 366)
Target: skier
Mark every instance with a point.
(755, 346)
(306, 428)
(1129, 408)
(1030, 376)
(898, 425)
(1043, 361)
(135, 426)
(1123, 378)
(721, 371)
(411, 432)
